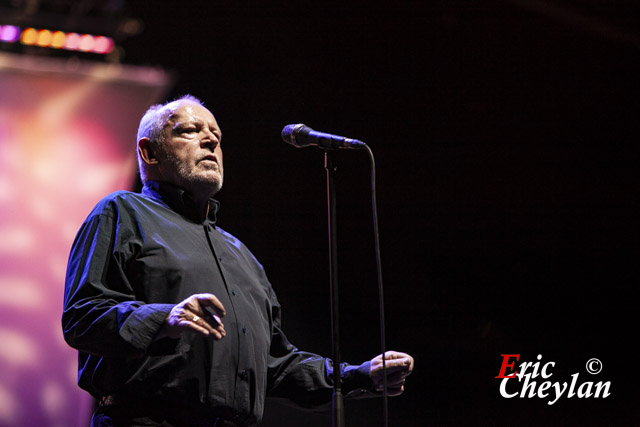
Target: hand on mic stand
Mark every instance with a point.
(388, 372)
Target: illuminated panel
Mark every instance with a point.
(60, 152)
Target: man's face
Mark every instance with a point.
(191, 156)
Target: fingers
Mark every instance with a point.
(211, 303)
(395, 391)
(395, 380)
(207, 311)
(397, 367)
(210, 311)
(206, 325)
(200, 313)
(394, 388)
(397, 357)
(394, 362)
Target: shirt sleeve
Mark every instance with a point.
(101, 315)
(306, 379)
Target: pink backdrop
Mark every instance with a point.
(67, 138)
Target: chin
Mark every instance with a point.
(202, 185)
(213, 185)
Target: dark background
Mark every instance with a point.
(505, 136)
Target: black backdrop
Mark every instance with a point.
(506, 138)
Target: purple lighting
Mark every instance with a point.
(9, 33)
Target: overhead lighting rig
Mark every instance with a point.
(90, 29)
(56, 39)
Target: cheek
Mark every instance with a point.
(189, 156)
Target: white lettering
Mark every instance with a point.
(544, 369)
(585, 393)
(559, 392)
(503, 389)
(543, 387)
(523, 369)
(573, 385)
(599, 387)
(528, 386)
(535, 367)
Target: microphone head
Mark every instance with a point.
(289, 133)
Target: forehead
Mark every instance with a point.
(187, 111)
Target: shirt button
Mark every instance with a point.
(244, 331)
(233, 292)
(243, 375)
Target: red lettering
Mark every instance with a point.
(506, 364)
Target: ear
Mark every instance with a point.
(147, 154)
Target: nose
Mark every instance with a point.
(210, 139)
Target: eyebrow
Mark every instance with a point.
(179, 124)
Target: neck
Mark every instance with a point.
(200, 196)
(202, 207)
(196, 200)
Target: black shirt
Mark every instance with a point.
(134, 258)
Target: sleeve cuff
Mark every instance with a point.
(142, 326)
(358, 383)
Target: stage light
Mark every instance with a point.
(58, 40)
(72, 42)
(29, 36)
(86, 43)
(9, 33)
(103, 45)
(44, 38)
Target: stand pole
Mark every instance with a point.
(338, 403)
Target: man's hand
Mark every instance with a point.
(199, 313)
(398, 366)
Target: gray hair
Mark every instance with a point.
(153, 122)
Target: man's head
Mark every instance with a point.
(179, 143)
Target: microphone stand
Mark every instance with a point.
(338, 402)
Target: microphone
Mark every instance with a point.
(301, 135)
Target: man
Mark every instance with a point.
(175, 321)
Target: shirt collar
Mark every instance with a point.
(179, 200)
